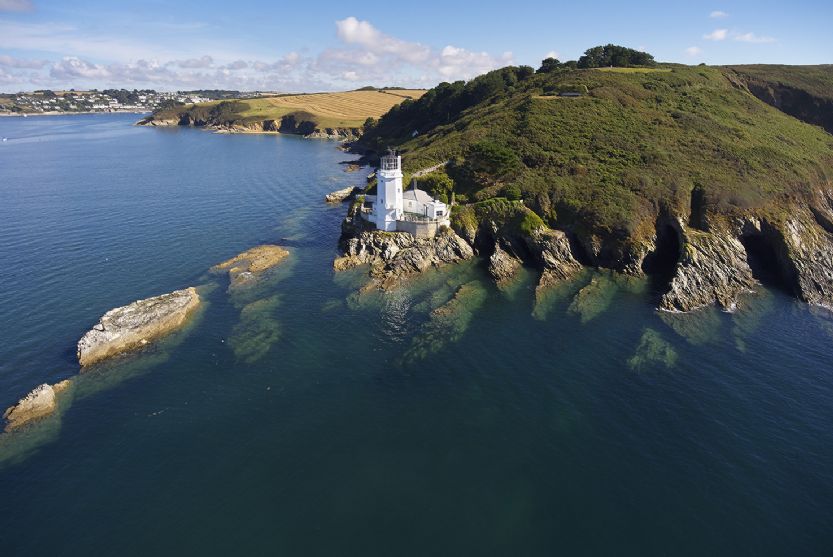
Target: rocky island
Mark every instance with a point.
(247, 267)
(708, 179)
(132, 326)
(39, 403)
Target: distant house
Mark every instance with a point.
(569, 94)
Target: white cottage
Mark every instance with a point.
(393, 209)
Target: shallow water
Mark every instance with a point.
(290, 419)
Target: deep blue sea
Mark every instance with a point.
(306, 418)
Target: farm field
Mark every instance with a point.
(348, 109)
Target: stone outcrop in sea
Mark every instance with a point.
(246, 268)
(132, 326)
(342, 194)
(39, 403)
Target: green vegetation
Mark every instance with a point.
(634, 144)
(615, 56)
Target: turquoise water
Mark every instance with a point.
(302, 418)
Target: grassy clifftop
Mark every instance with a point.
(633, 143)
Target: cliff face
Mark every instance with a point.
(804, 92)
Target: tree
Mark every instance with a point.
(614, 55)
(548, 65)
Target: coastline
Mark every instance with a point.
(67, 113)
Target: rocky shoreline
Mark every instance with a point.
(700, 262)
(286, 125)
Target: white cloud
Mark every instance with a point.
(364, 34)
(718, 14)
(74, 68)
(195, 63)
(363, 53)
(16, 6)
(551, 54)
(694, 51)
(717, 35)
(753, 38)
(22, 63)
(459, 63)
(236, 65)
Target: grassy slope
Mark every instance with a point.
(328, 110)
(609, 161)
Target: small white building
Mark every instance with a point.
(393, 209)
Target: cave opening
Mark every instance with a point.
(764, 262)
(661, 264)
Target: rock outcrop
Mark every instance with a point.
(502, 265)
(342, 194)
(396, 254)
(135, 325)
(246, 268)
(805, 251)
(552, 252)
(39, 403)
(712, 268)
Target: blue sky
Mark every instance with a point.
(331, 45)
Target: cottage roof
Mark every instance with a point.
(418, 195)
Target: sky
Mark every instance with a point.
(324, 45)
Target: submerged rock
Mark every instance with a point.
(39, 403)
(342, 194)
(393, 255)
(594, 298)
(134, 325)
(447, 322)
(257, 330)
(245, 269)
(652, 350)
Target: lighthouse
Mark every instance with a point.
(389, 205)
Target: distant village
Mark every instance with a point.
(108, 100)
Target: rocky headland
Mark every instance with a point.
(135, 325)
(708, 180)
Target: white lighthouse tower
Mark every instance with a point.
(389, 204)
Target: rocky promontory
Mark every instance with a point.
(393, 255)
(132, 326)
(39, 403)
